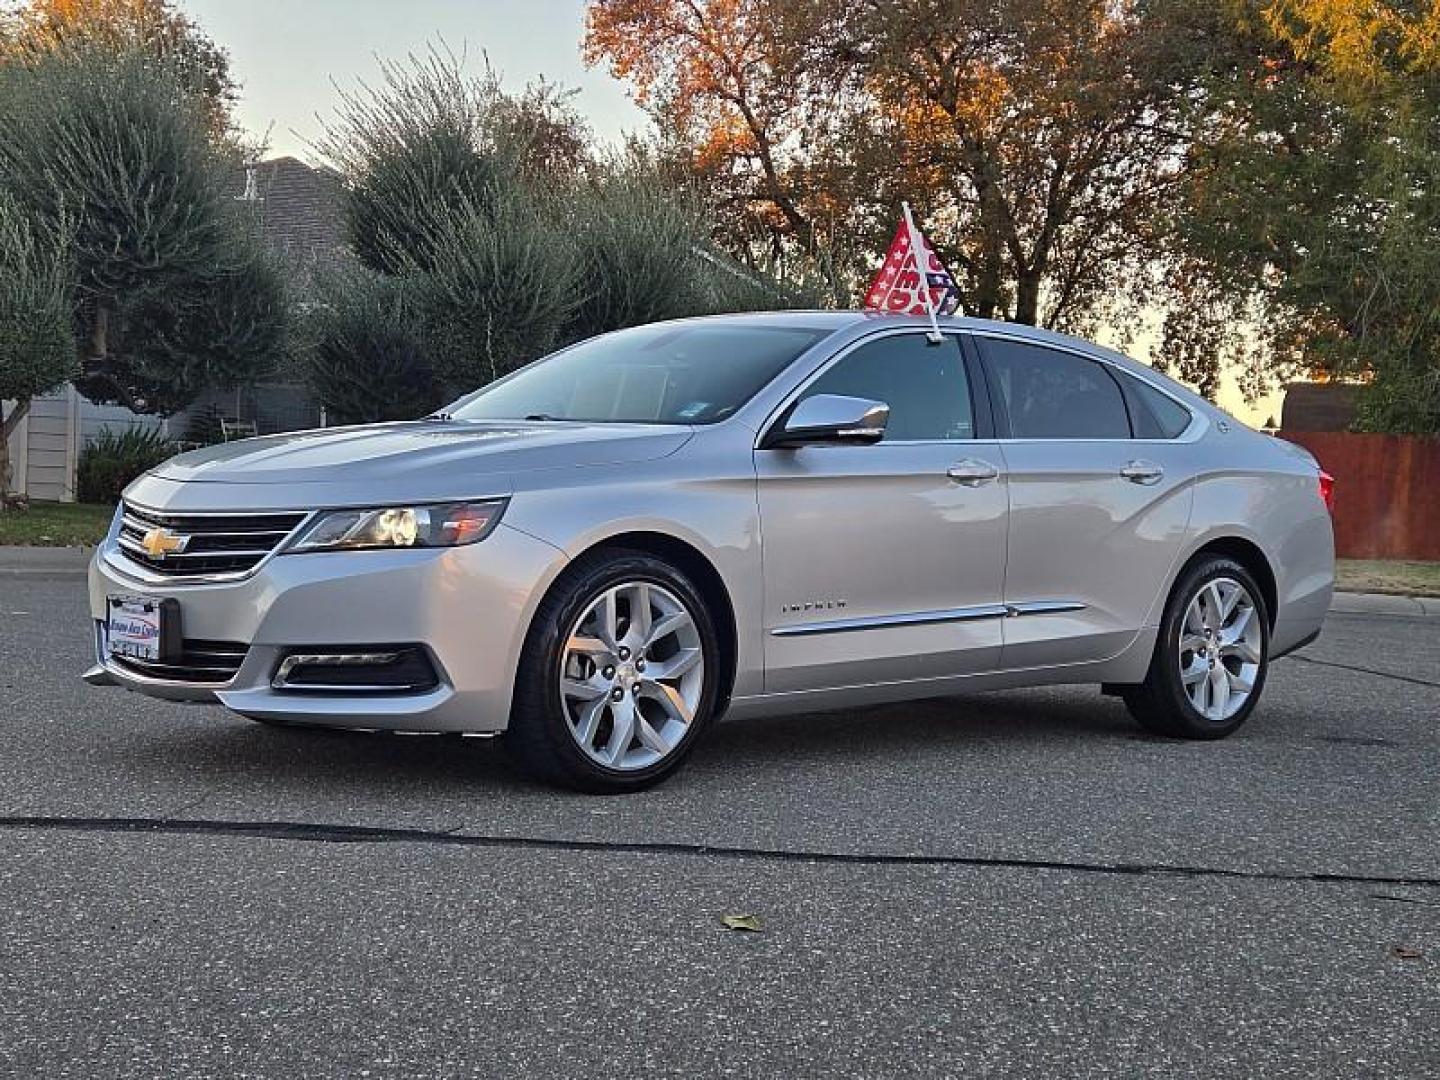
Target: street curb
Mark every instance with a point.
(1344, 603)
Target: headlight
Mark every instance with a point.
(447, 525)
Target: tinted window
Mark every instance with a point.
(1155, 415)
(670, 373)
(923, 384)
(1051, 394)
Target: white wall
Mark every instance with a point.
(47, 444)
(49, 448)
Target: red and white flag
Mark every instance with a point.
(904, 285)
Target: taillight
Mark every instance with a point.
(1327, 490)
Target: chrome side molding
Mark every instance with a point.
(921, 618)
(1044, 607)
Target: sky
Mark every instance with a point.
(290, 56)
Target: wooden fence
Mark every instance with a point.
(1387, 492)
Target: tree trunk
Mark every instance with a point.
(7, 427)
(100, 334)
(987, 286)
(1027, 298)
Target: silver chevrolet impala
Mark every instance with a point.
(602, 553)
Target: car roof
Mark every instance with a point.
(861, 321)
(852, 323)
(832, 320)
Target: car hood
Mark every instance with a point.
(405, 461)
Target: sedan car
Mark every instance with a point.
(600, 554)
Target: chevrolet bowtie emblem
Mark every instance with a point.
(161, 542)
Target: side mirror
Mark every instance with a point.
(831, 418)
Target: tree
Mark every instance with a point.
(505, 235)
(152, 27)
(37, 351)
(429, 139)
(173, 291)
(1314, 204)
(1039, 136)
(727, 84)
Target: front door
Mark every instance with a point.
(886, 563)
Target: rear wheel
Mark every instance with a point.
(1210, 658)
(618, 676)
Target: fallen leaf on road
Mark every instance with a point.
(1400, 952)
(742, 922)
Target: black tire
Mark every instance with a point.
(1161, 704)
(539, 738)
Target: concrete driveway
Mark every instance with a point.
(1010, 884)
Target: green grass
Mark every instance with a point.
(1388, 576)
(47, 524)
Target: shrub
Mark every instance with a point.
(492, 235)
(112, 460)
(366, 359)
(203, 426)
(499, 291)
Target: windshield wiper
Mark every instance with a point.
(439, 416)
(541, 416)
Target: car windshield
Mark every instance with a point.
(669, 373)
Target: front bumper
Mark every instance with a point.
(470, 607)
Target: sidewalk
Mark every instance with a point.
(44, 562)
(56, 563)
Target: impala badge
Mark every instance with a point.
(812, 605)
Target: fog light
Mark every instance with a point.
(402, 669)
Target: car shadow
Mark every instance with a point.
(225, 747)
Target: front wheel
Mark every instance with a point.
(1211, 656)
(618, 677)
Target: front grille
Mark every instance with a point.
(198, 662)
(214, 543)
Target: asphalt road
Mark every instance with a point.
(1002, 885)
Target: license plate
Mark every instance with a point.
(138, 627)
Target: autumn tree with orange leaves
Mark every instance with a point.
(1258, 177)
(1036, 137)
(728, 87)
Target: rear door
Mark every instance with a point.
(886, 562)
(1097, 515)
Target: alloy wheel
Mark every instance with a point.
(632, 673)
(1221, 643)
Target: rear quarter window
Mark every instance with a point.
(1155, 415)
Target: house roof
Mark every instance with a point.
(298, 207)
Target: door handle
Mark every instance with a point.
(972, 472)
(1142, 472)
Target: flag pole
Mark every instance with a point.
(917, 249)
